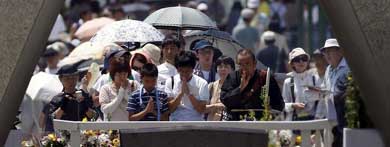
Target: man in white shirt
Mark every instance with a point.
(206, 54)
(170, 48)
(189, 93)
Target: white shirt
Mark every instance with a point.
(114, 102)
(51, 70)
(165, 71)
(321, 107)
(206, 75)
(330, 79)
(332, 74)
(185, 111)
(301, 93)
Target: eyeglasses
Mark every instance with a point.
(300, 58)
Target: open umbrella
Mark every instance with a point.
(88, 50)
(180, 18)
(89, 28)
(221, 40)
(85, 51)
(127, 31)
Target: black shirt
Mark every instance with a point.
(232, 98)
(73, 110)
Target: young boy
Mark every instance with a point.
(148, 103)
(188, 93)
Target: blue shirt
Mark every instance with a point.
(246, 35)
(138, 102)
(336, 83)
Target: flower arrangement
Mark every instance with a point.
(53, 140)
(27, 143)
(101, 138)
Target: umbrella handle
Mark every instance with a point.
(178, 34)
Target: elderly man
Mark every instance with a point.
(336, 81)
(241, 89)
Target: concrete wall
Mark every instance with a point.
(363, 30)
(24, 29)
(194, 138)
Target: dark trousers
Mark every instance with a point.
(337, 137)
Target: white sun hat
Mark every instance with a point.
(332, 42)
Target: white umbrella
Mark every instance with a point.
(41, 89)
(127, 31)
(84, 51)
(180, 18)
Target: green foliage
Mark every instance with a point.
(352, 103)
(266, 104)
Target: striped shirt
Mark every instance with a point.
(138, 102)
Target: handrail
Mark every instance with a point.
(305, 126)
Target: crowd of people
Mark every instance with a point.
(200, 85)
(166, 82)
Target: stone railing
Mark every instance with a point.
(305, 127)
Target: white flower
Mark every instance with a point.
(92, 139)
(44, 142)
(285, 137)
(273, 137)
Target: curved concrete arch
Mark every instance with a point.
(24, 29)
(363, 30)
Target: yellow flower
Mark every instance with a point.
(84, 119)
(52, 137)
(115, 142)
(24, 143)
(298, 139)
(90, 132)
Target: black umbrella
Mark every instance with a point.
(221, 40)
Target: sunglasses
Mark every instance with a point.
(300, 58)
